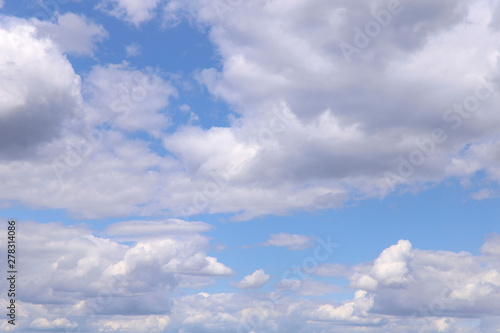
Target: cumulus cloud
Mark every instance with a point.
(480, 156)
(132, 11)
(72, 33)
(406, 281)
(346, 136)
(442, 292)
(255, 280)
(491, 246)
(133, 324)
(68, 273)
(290, 241)
(91, 261)
(59, 323)
(355, 311)
(39, 90)
(313, 131)
(130, 99)
(390, 268)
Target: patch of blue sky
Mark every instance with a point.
(21, 213)
(177, 53)
(440, 218)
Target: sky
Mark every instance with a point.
(196, 166)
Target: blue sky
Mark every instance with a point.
(191, 159)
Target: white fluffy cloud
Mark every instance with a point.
(132, 11)
(350, 131)
(70, 273)
(39, 91)
(127, 99)
(443, 291)
(355, 311)
(130, 324)
(58, 323)
(406, 281)
(492, 246)
(255, 280)
(72, 33)
(391, 266)
(314, 131)
(480, 156)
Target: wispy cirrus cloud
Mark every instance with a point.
(290, 241)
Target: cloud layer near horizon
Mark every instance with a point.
(74, 277)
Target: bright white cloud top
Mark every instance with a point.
(253, 281)
(145, 144)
